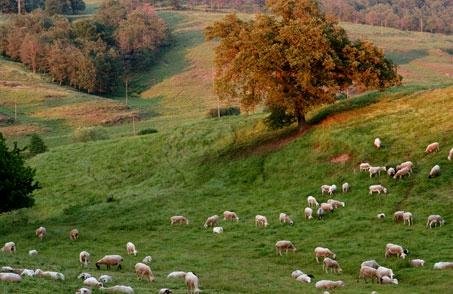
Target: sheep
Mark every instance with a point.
(261, 221)
(345, 187)
(378, 189)
(387, 280)
(41, 232)
(84, 258)
(407, 217)
(364, 166)
(377, 143)
(370, 263)
(432, 147)
(308, 212)
(434, 219)
(147, 259)
(325, 189)
(402, 172)
(230, 215)
(417, 262)
(320, 212)
(212, 221)
(368, 272)
(9, 247)
(84, 276)
(110, 260)
(327, 207)
(335, 203)
(33, 252)
(398, 216)
(380, 215)
(435, 171)
(304, 278)
(391, 171)
(331, 264)
(450, 154)
(373, 170)
(118, 289)
(284, 218)
(392, 249)
(83, 291)
(179, 219)
(27, 273)
(443, 265)
(74, 234)
(51, 275)
(92, 282)
(192, 281)
(296, 273)
(177, 274)
(311, 201)
(332, 189)
(217, 230)
(323, 252)
(142, 271)
(327, 284)
(284, 245)
(406, 164)
(104, 279)
(10, 277)
(130, 247)
(383, 271)
(165, 291)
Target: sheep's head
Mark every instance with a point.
(385, 190)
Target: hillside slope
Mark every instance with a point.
(126, 189)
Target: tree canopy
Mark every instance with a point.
(293, 59)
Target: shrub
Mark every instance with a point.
(147, 131)
(279, 118)
(224, 111)
(36, 145)
(90, 134)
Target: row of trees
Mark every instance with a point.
(51, 6)
(93, 55)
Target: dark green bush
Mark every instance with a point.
(36, 145)
(147, 131)
(224, 111)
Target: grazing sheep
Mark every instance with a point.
(142, 271)
(84, 258)
(434, 219)
(364, 166)
(296, 273)
(402, 172)
(406, 164)
(51, 275)
(9, 247)
(74, 234)
(391, 172)
(392, 249)
(432, 147)
(373, 170)
(178, 274)
(118, 289)
(323, 252)
(284, 245)
(378, 189)
(27, 273)
(332, 189)
(325, 189)
(312, 201)
(261, 221)
(284, 218)
(83, 291)
(217, 230)
(84, 276)
(41, 232)
(371, 263)
(387, 280)
(327, 207)
(304, 278)
(212, 221)
(130, 247)
(435, 171)
(165, 291)
(147, 259)
(368, 272)
(450, 154)
(345, 187)
(110, 260)
(417, 262)
(327, 284)
(383, 271)
(335, 203)
(443, 265)
(104, 279)
(377, 143)
(230, 215)
(192, 283)
(407, 217)
(380, 215)
(92, 282)
(331, 264)
(308, 212)
(398, 216)
(179, 219)
(10, 277)
(320, 212)
(33, 252)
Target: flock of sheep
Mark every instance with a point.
(369, 269)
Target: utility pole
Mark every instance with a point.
(18, 6)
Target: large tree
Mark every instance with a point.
(293, 59)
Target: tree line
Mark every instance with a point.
(51, 6)
(94, 55)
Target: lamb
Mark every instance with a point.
(308, 212)
(27, 273)
(284, 218)
(83, 291)
(391, 172)
(383, 271)
(284, 245)
(450, 154)
(41, 232)
(417, 262)
(217, 230)
(320, 212)
(312, 201)
(432, 147)
(325, 189)
(398, 216)
(406, 164)
(345, 187)
(331, 264)
(327, 207)
(368, 272)
(377, 143)
(9, 247)
(402, 172)
(434, 219)
(33, 252)
(178, 274)
(84, 258)
(51, 275)
(165, 291)
(378, 189)
(327, 284)
(110, 260)
(380, 215)
(304, 278)
(74, 234)
(179, 219)
(373, 170)
(92, 282)
(142, 271)
(435, 171)
(296, 273)
(335, 203)
(332, 189)
(230, 215)
(392, 249)
(443, 265)
(261, 221)
(192, 283)
(364, 166)
(387, 280)
(323, 252)
(104, 279)
(370, 263)
(147, 259)
(10, 277)
(212, 221)
(130, 247)
(407, 217)
(118, 289)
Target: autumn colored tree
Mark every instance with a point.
(293, 59)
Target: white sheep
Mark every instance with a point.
(383, 271)
(84, 258)
(84, 276)
(144, 271)
(27, 273)
(308, 212)
(373, 170)
(230, 215)
(217, 230)
(311, 201)
(407, 217)
(212, 221)
(398, 216)
(443, 265)
(118, 289)
(450, 154)
(284, 245)
(10, 277)
(192, 282)
(368, 272)
(9, 247)
(331, 264)
(345, 187)
(371, 263)
(104, 279)
(435, 220)
(388, 280)
(407, 164)
(378, 189)
(109, 260)
(391, 171)
(432, 147)
(284, 218)
(392, 249)
(83, 291)
(165, 291)
(327, 284)
(435, 171)
(325, 189)
(177, 274)
(296, 273)
(41, 232)
(335, 203)
(323, 252)
(417, 262)
(332, 189)
(48, 274)
(304, 278)
(377, 143)
(179, 219)
(364, 166)
(402, 172)
(74, 234)
(380, 215)
(147, 259)
(130, 247)
(261, 221)
(92, 282)
(33, 252)
(327, 207)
